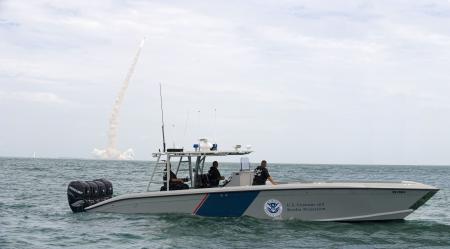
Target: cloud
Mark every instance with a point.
(316, 69)
(34, 97)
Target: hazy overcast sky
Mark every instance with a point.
(301, 81)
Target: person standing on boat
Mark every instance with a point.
(262, 174)
(214, 175)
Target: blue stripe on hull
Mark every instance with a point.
(231, 204)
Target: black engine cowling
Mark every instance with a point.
(82, 194)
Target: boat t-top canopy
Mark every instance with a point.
(164, 164)
(202, 153)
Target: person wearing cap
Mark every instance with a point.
(262, 174)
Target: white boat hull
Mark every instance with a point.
(318, 201)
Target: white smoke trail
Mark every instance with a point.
(111, 151)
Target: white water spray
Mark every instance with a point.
(111, 152)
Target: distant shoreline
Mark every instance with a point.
(272, 163)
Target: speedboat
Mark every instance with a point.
(236, 197)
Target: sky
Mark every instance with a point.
(358, 82)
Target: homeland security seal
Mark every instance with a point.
(273, 208)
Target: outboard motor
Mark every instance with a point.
(82, 194)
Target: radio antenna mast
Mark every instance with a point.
(162, 117)
(215, 126)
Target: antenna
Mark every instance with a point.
(173, 137)
(199, 123)
(186, 126)
(215, 126)
(162, 117)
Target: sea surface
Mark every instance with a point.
(34, 212)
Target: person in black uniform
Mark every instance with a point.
(262, 174)
(214, 175)
(174, 182)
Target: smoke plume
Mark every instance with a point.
(111, 152)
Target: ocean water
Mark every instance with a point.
(34, 212)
